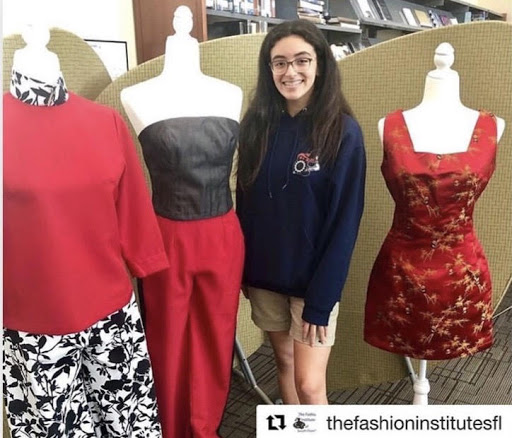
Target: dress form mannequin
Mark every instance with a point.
(75, 158)
(182, 89)
(35, 60)
(441, 108)
(187, 125)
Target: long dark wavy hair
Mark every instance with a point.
(324, 109)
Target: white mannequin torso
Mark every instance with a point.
(181, 90)
(441, 124)
(35, 60)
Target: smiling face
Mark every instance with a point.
(295, 86)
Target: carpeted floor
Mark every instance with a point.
(482, 379)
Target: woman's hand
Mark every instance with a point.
(311, 331)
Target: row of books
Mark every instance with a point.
(375, 9)
(428, 18)
(264, 8)
(479, 16)
(312, 10)
(316, 11)
(469, 16)
(378, 10)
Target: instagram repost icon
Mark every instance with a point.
(276, 422)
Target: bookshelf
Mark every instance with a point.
(459, 8)
(378, 20)
(225, 23)
(221, 23)
(385, 19)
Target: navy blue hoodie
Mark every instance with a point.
(300, 219)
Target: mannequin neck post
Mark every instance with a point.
(442, 90)
(181, 57)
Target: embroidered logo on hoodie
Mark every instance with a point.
(304, 164)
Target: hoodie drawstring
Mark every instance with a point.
(292, 157)
(290, 160)
(272, 149)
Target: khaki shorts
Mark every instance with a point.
(273, 312)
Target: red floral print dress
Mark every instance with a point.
(429, 294)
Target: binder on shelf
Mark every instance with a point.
(423, 18)
(434, 18)
(365, 8)
(445, 20)
(409, 17)
(382, 10)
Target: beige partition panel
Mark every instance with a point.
(83, 71)
(234, 60)
(377, 81)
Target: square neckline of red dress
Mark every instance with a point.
(411, 144)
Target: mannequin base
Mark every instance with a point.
(420, 384)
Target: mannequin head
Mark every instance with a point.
(443, 60)
(181, 49)
(182, 21)
(35, 60)
(36, 36)
(444, 56)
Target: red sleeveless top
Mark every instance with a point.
(429, 294)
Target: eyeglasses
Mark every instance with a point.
(300, 65)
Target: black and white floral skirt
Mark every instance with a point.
(95, 383)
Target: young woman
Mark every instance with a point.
(300, 198)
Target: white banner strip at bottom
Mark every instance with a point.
(382, 421)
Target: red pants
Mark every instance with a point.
(190, 312)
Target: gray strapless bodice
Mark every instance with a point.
(189, 161)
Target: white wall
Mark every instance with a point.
(89, 19)
(495, 5)
(503, 6)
